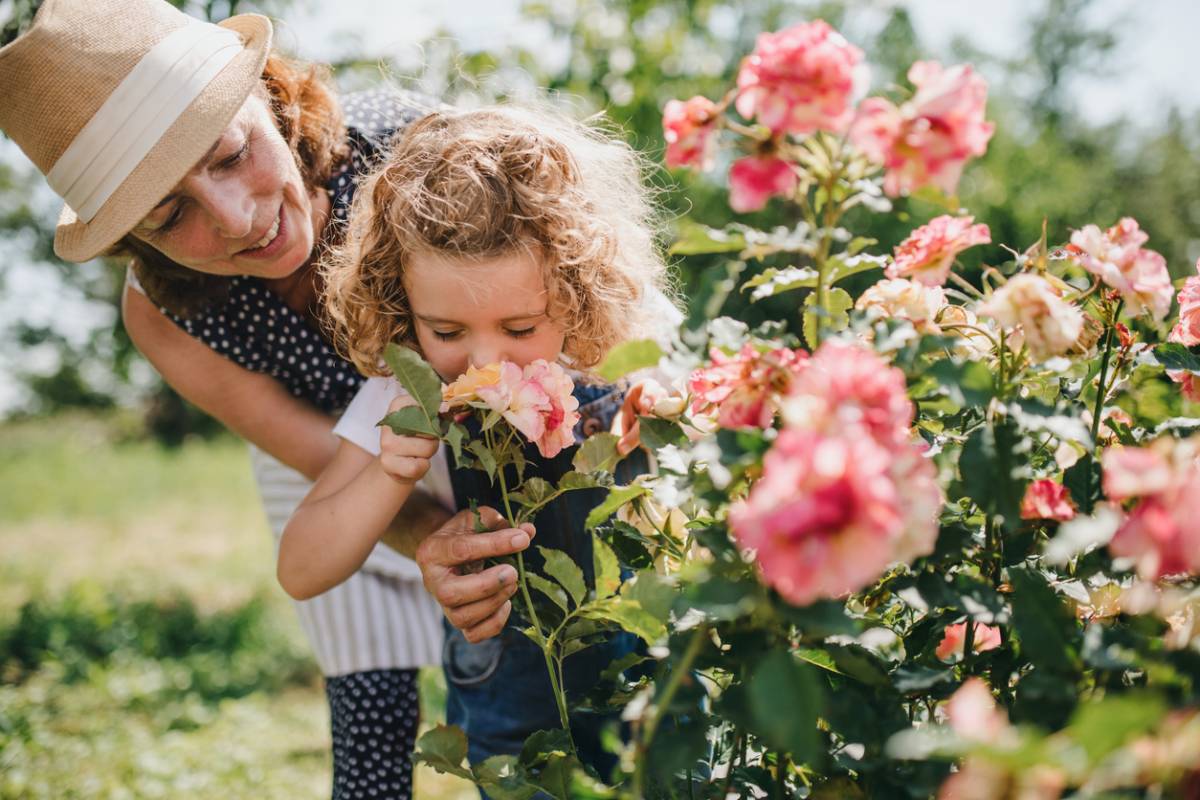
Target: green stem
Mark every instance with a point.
(1101, 395)
(663, 703)
(735, 757)
(781, 770)
(545, 643)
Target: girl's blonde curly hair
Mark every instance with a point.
(478, 184)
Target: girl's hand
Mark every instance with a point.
(405, 459)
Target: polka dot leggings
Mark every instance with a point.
(374, 720)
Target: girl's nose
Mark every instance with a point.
(485, 353)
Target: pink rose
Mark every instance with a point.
(1050, 325)
(1187, 329)
(543, 407)
(1117, 257)
(744, 389)
(799, 80)
(755, 179)
(1160, 533)
(849, 385)
(1047, 499)
(689, 129)
(954, 640)
(844, 491)
(822, 517)
(929, 139)
(928, 253)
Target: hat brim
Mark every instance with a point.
(180, 148)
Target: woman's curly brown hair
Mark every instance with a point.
(478, 184)
(307, 113)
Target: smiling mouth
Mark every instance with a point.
(268, 237)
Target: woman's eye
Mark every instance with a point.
(170, 221)
(522, 333)
(447, 336)
(237, 157)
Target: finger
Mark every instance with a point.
(630, 439)
(473, 614)
(451, 550)
(404, 468)
(455, 591)
(490, 627)
(401, 401)
(419, 446)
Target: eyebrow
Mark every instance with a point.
(202, 162)
(444, 321)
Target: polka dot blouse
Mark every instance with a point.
(255, 328)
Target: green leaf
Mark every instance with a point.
(574, 481)
(784, 700)
(555, 779)
(1044, 626)
(630, 615)
(656, 433)
(775, 281)
(1105, 725)
(1175, 356)
(445, 749)
(858, 244)
(532, 492)
(410, 421)
(969, 383)
(560, 567)
(597, 454)
(629, 357)
(540, 745)
(503, 778)
(486, 458)
(992, 470)
(548, 588)
(652, 592)
(617, 497)
(835, 318)
(454, 436)
(698, 239)
(606, 568)
(845, 265)
(915, 679)
(417, 378)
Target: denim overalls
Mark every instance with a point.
(498, 690)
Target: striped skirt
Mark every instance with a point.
(381, 618)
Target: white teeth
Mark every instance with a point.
(270, 237)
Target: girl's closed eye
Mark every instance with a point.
(522, 332)
(447, 336)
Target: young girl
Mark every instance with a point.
(499, 234)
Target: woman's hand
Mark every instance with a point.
(477, 602)
(645, 398)
(405, 459)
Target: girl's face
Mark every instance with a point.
(473, 313)
(243, 210)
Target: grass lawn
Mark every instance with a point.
(145, 648)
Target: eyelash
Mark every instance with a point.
(228, 163)
(520, 334)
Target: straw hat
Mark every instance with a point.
(115, 100)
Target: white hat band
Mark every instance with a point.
(140, 110)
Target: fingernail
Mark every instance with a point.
(520, 541)
(508, 576)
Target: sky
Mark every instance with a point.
(1153, 68)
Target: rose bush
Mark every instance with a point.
(922, 537)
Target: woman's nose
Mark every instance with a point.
(228, 203)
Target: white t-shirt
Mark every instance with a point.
(359, 426)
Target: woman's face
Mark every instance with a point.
(474, 313)
(243, 210)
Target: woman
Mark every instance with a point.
(223, 170)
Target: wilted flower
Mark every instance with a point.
(1050, 324)
(689, 129)
(897, 298)
(537, 400)
(928, 253)
(799, 80)
(745, 388)
(1116, 257)
(756, 179)
(1160, 534)
(1047, 499)
(954, 640)
(927, 140)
